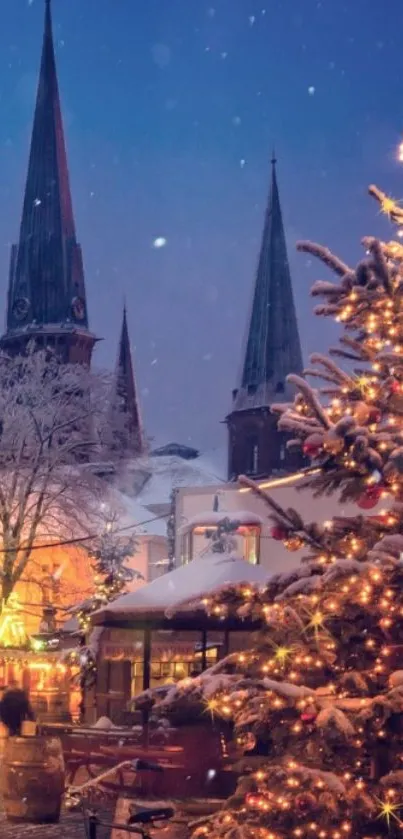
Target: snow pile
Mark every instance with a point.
(104, 723)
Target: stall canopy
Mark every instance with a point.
(173, 603)
(189, 582)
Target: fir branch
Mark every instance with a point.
(327, 257)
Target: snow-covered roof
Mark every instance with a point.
(212, 517)
(163, 473)
(188, 582)
(131, 512)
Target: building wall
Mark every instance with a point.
(273, 555)
(148, 560)
(257, 447)
(60, 576)
(63, 577)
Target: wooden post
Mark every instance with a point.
(146, 677)
(225, 646)
(108, 687)
(204, 650)
(147, 658)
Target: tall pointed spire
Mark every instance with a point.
(46, 284)
(272, 351)
(125, 405)
(273, 348)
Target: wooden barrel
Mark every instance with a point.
(3, 738)
(32, 779)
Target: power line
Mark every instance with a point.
(81, 539)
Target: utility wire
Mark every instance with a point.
(80, 539)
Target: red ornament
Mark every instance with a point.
(278, 533)
(305, 802)
(370, 497)
(313, 445)
(395, 386)
(375, 415)
(251, 800)
(311, 449)
(308, 717)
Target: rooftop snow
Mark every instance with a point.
(188, 582)
(161, 474)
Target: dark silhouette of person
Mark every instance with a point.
(15, 708)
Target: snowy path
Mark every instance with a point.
(70, 827)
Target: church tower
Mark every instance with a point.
(124, 404)
(46, 292)
(272, 351)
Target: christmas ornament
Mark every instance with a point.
(370, 497)
(251, 799)
(375, 416)
(246, 741)
(362, 413)
(305, 717)
(305, 801)
(293, 543)
(396, 679)
(332, 443)
(313, 445)
(278, 533)
(309, 714)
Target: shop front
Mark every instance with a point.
(162, 633)
(173, 656)
(49, 683)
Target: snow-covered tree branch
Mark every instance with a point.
(52, 422)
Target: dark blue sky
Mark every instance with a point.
(171, 109)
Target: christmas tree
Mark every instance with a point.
(108, 553)
(317, 702)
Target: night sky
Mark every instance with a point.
(171, 109)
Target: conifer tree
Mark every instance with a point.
(317, 702)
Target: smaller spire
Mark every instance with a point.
(125, 403)
(273, 348)
(273, 158)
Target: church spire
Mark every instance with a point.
(46, 284)
(272, 350)
(125, 404)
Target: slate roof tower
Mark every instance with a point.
(46, 292)
(272, 351)
(129, 433)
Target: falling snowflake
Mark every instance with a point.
(252, 19)
(37, 202)
(242, 162)
(311, 90)
(236, 120)
(159, 242)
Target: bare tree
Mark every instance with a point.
(52, 423)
